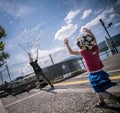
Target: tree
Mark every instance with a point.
(3, 55)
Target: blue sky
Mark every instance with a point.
(51, 21)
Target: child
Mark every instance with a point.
(98, 78)
(38, 71)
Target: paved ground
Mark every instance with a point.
(72, 96)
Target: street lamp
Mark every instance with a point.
(109, 25)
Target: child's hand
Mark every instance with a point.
(87, 30)
(66, 41)
(29, 54)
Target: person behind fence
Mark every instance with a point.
(98, 78)
(38, 71)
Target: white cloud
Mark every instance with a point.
(44, 53)
(21, 58)
(31, 34)
(57, 50)
(86, 13)
(31, 39)
(71, 15)
(113, 16)
(27, 69)
(117, 24)
(111, 10)
(65, 32)
(95, 21)
(44, 59)
(16, 9)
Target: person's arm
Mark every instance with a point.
(30, 58)
(69, 48)
(37, 56)
(90, 32)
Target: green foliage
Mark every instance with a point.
(2, 46)
(3, 55)
(2, 32)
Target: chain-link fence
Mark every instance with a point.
(8, 73)
(5, 74)
(63, 68)
(55, 73)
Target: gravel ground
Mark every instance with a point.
(76, 98)
(60, 100)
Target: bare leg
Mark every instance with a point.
(110, 96)
(101, 102)
(46, 79)
(37, 77)
(100, 98)
(38, 81)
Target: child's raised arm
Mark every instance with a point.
(37, 56)
(90, 32)
(30, 58)
(69, 48)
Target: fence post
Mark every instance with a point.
(107, 53)
(82, 63)
(1, 77)
(8, 72)
(51, 59)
